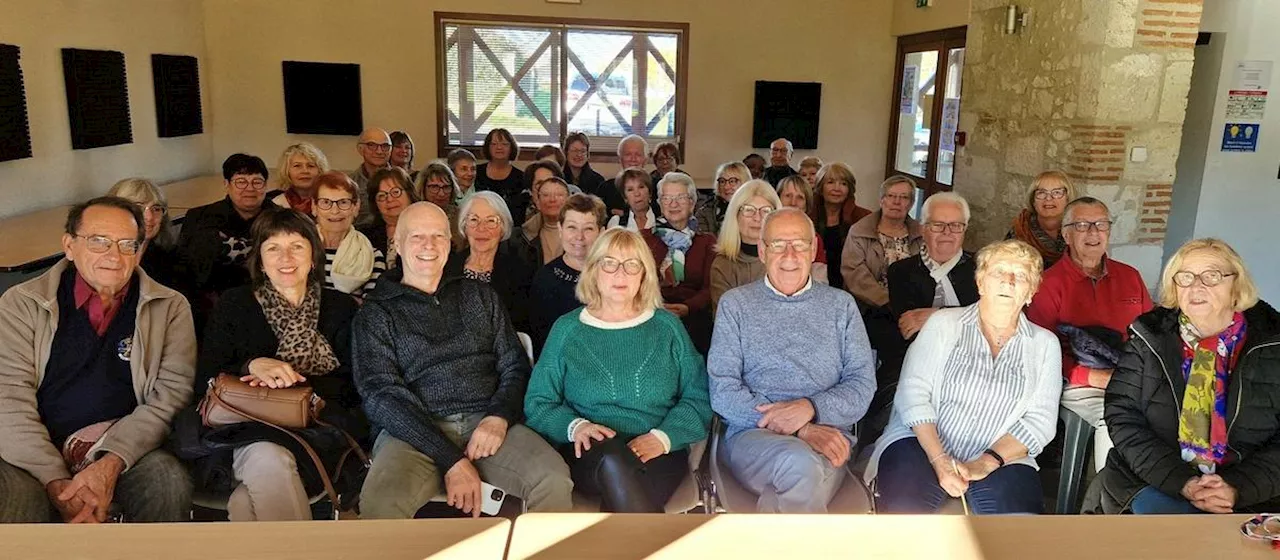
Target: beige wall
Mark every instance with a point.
(943, 14)
(138, 28)
(732, 44)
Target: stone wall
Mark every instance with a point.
(1076, 89)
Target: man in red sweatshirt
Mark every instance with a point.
(1088, 289)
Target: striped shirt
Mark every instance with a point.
(379, 266)
(977, 394)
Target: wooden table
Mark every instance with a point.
(33, 241)
(785, 537)
(480, 539)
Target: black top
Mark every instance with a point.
(911, 286)
(377, 235)
(214, 246)
(749, 249)
(833, 239)
(552, 294)
(510, 189)
(161, 264)
(420, 356)
(510, 278)
(775, 173)
(589, 180)
(238, 333)
(1144, 401)
(608, 192)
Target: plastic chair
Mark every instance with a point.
(727, 495)
(1075, 445)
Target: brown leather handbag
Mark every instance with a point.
(232, 401)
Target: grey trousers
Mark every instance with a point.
(403, 479)
(156, 489)
(787, 474)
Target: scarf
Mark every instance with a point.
(1026, 227)
(1206, 364)
(300, 344)
(939, 272)
(678, 243)
(353, 263)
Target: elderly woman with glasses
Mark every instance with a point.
(436, 184)
(577, 168)
(710, 214)
(300, 164)
(351, 263)
(402, 152)
(636, 187)
(159, 254)
(737, 261)
(943, 275)
(1193, 407)
(491, 255)
(498, 175)
(390, 192)
(1040, 223)
(684, 258)
(977, 402)
(540, 233)
(666, 159)
(620, 388)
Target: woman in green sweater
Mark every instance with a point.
(620, 388)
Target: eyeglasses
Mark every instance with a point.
(438, 187)
(673, 198)
(953, 227)
(102, 244)
(777, 150)
(1100, 225)
(492, 222)
(158, 209)
(898, 197)
(779, 246)
(342, 203)
(751, 211)
(664, 157)
(722, 181)
(376, 146)
(257, 184)
(1018, 277)
(393, 192)
(630, 266)
(1054, 194)
(1210, 278)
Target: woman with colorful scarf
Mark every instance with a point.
(1194, 405)
(1040, 223)
(282, 330)
(684, 258)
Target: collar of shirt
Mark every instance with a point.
(99, 315)
(1079, 272)
(806, 287)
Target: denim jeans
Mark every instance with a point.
(403, 479)
(906, 483)
(1151, 501)
(156, 489)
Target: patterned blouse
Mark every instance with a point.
(895, 249)
(486, 276)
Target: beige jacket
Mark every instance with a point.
(862, 263)
(163, 362)
(727, 274)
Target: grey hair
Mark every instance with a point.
(495, 201)
(787, 211)
(945, 197)
(633, 138)
(790, 148)
(678, 178)
(896, 179)
(1067, 215)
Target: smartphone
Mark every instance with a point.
(491, 498)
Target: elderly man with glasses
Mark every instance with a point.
(374, 147)
(780, 152)
(943, 274)
(96, 359)
(791, 372)
(1089, 300)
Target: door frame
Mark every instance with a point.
(942, 41)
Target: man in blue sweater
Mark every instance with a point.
(791, 373)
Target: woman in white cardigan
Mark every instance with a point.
(977, 400)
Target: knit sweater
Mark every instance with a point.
(419, 356)
(771, 348)
(631, 379)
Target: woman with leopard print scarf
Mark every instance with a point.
(282, 330)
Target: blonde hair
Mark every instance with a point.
(1050, 174)
(814, 162)
(736, 167)
(143, 191)
(1012, 250)
(801, 185)
(308, 151)
(729, 243)
(619, 241)
(1244, 293)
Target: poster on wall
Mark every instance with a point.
(1252, 75)
(1240, 137)
(1246, 106)
(950, 122)
(907, 99)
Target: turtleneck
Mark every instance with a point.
(748, 249)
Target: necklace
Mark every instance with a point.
(1000, 339)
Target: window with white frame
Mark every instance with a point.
(542, 79)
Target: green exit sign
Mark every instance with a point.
(923, 3)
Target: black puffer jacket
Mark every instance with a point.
(1144, 400)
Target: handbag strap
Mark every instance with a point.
(315, 459)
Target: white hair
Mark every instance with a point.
(786, 211)
(677, 178)
(790, 148)
(495, 201)
(945, 197)
(633, 138)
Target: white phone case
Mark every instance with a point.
(491, 498)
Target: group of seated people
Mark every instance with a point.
(776, 304)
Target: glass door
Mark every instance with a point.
(926, 108)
